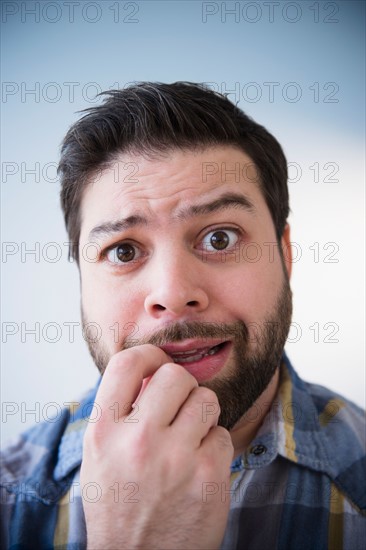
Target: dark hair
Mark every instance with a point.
(149, 118)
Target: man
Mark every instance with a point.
(200, 434)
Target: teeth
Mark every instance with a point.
(184, 352)
(193, 358)
(190, 359)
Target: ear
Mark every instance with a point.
(287, 250)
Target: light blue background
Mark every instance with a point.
(169, 41)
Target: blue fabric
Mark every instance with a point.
(304, 489)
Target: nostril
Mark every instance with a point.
(158, 307)
(174, 304)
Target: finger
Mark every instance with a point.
(218, 443)
(145, 382)
(123, 377)
(165, 393)
(197, 416)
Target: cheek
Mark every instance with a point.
(116, 306)
(251, 291)
(113, 305)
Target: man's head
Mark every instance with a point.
(152, 118)
(183, 201)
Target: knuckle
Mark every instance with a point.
(146, 348)
(223, 438)
(208, 466)
(217, 456)
(207, 395)
(192, 411)
(125, 360)
(174, 374)
(169, 370)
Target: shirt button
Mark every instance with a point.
(258, 450)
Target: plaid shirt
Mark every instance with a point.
(300, 484)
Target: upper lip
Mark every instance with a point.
(191, 345)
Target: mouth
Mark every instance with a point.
(203, 362)
(191, 356)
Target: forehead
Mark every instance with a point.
(162, 185)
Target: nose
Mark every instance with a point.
(176, 287)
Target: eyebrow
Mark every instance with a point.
(225, 202)
(109, 228)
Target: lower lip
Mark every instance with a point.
(206, 368)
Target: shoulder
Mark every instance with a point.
(35, 452)
(23, 454)
(330, 433)
(331, 410)
(338, 417)
(335, 408)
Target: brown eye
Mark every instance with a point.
(122, 254)
(125, 253)
(219, 240)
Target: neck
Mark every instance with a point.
(246, 428)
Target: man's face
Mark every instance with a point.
(186, 258)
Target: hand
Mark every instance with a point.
(151, 463)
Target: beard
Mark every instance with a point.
(257, 352)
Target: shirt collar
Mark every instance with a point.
(305, 424)
(70, 450)
(290, 429)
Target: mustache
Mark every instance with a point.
(177, 332)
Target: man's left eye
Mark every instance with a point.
(220, 239)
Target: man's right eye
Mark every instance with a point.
(122, 253)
